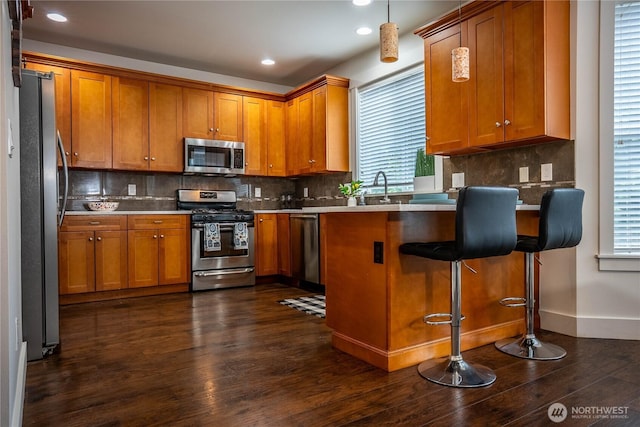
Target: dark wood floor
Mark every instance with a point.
(238, 358)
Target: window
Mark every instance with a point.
(626, 129)
(390, 129)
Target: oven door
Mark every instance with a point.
(227, 256)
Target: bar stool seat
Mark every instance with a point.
(485, 227)
(560, 226)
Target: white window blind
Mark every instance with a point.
(627, 129)
(391, 128)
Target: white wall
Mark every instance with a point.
(11, 364)
(150, 67)
(583, 301)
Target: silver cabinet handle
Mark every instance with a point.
(66, 153)
(99, 239)
(498, 124)
(94, 222)
(157, 221)
(75, 154)
(270, 165)
(261, 219)
(153, 159)
(155, 236)
(162, 236)
(146, 158)
(507, 122)
(210, 129)
(91, 239)
(428, 138)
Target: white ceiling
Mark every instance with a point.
(305, 37)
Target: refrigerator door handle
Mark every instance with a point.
(65, 170)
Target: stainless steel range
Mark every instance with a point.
(222, 240)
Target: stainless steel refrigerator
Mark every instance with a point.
(40, 213)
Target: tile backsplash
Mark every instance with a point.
(157, 191)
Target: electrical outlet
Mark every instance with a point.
(546, 172)
(457, 180)
(524, 174)
(305, 192)
(131, 189)
(258, 192)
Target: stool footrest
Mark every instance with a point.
(513, 302)
(449, 316)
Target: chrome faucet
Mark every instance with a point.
(375, 182)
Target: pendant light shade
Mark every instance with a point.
(388, 40)
(460, 64)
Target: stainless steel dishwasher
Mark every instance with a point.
(305, 247)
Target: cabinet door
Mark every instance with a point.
(319, 130)
(300, 149)
(525, 62)
(227, 113)
(130, 124)
(173, 256)
(486, 81)
(336, 143)
(62, 77)
(143, 258)
(111, 260)
(284, 245)
(446, 102)
(291, 136)
(166, 146)
(91, 120)
(197, 113)
(76, 272)
(276, 157)
(266, 244)
(255, 143)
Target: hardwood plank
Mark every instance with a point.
(235, 357)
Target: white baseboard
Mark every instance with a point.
(18, 403)
(590, 327)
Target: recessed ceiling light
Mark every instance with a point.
(268, 62)
(361, 2)
(363, 31)
(57, 17)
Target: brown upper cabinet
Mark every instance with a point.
(62, 78)
(518, 91)
(212, 115)
(91, 120)
(318, 128)
(111, 118)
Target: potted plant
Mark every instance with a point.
(424, 180)
(350, 190)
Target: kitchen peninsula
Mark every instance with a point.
(376, 298)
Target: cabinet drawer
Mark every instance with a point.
(149, 222)
(94, 222)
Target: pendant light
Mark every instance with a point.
(388, 40)
(460, 56)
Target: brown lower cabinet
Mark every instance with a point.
(121, 253)
(158, 250)
(92, 254)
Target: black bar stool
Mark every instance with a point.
(485, 227)
(560, 227)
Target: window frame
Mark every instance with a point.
(607, 259)
(387, 79)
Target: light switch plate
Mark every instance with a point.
(524, 174)
(131, 189)
(305, 192)
(546, 172)
(258, 192)
(457, 180)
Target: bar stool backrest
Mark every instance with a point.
(560, 218)
(486, 221)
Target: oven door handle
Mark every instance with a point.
(223, 272)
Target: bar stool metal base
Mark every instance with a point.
(529, 347)
(457, 373)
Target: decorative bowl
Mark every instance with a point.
(103, 206)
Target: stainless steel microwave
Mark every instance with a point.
(209, 156)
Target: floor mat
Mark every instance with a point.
(310, 305)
